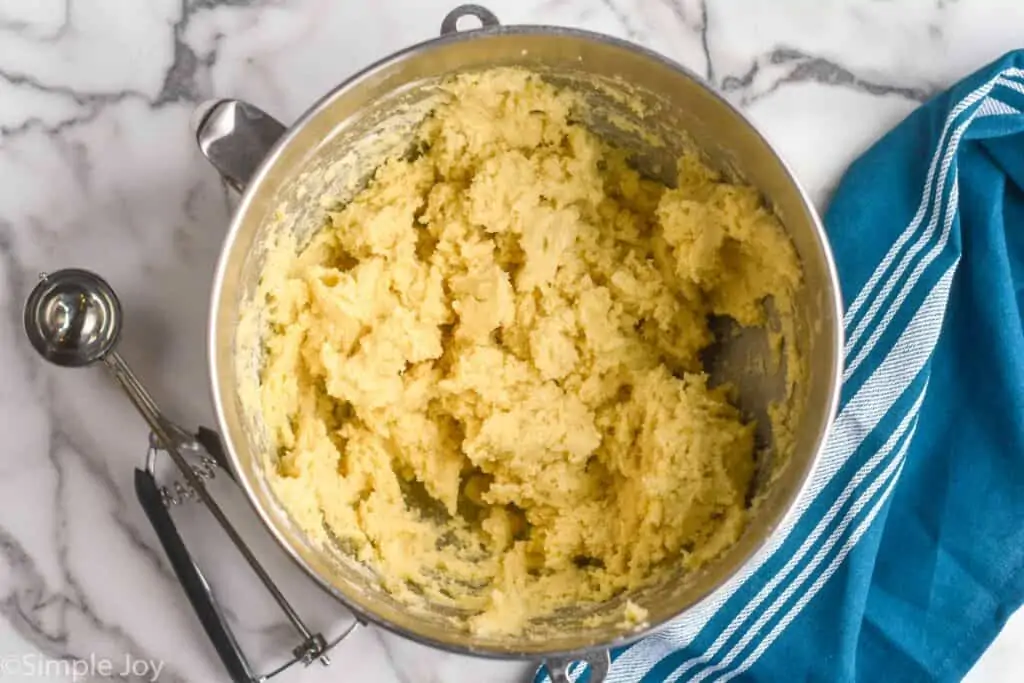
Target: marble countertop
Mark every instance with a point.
(98, 169)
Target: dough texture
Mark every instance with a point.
(483, 376)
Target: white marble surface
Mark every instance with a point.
(97, 169)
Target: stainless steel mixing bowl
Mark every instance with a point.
(282, 172)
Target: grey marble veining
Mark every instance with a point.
(97, 169)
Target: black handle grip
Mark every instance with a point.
(192, 580)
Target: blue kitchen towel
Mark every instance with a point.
(906, 554)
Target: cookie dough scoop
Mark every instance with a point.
(73, 319)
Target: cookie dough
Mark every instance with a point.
(483, 375)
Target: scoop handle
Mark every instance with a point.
(192, 580)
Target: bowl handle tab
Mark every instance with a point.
(235, 137)
(486, 17)
(599, 662)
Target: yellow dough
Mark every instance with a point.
(482, 375)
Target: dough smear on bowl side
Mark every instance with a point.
(483, 375)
